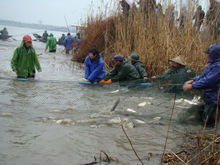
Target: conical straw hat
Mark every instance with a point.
(177, 60)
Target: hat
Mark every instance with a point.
(118, 57)
(177, 60)
(213, 49)
(134, 57)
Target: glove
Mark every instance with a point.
(109, 81)
(101, 81)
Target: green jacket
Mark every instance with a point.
(177, 76)
(24, 61)
(124, 72)
(51, 43)
(140, 68)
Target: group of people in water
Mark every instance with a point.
(182, 77)
(68, 42)
(25, 61)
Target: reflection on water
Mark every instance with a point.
(55, 120)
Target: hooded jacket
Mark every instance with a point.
(25, 61)
(68, 42)
(123, 72)
(209, 81)
(94, 69)
(140, 68)
(51, 43)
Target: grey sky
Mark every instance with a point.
(52, 12)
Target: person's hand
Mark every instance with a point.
(188, 85)
(101, 81)
(154, 77)
(109, 81)
(87, 80)
(188, 71)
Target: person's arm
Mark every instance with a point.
(165, 76)
(111, 74)
(14, 60)
(208, 81)
(121, 74)
(37, 64)
(96, 72)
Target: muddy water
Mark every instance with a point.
(55, 120)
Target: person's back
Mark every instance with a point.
(45, 36)
(51, 43)
(138, 65)
(68, 43)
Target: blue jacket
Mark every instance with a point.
(68, 42)
(94, 69)
(209, 81)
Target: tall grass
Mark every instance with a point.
(155, 39)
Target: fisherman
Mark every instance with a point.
(125, 7)
(138, 65)
(94, 66)
(78, 44)
(61, 39)
(199, 17)
(123, 71)
(25, 60)
(178, 74)
(212, 18)
(45, 36)
(51, 43)
(68, 43)
(4, 31)
(209, 81)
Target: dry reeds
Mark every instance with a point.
(154, 37)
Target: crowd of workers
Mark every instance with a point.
(68, 42)
(152, 9)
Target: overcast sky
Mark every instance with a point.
(50, 12)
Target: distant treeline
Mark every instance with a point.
(35, 26)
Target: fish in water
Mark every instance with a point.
(157, 118)
(142, 104)
(129, 125)
(139, 121)
(116, 91)
(131, 110)
(65, 121)
(5, 114)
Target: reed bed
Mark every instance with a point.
(155, 39)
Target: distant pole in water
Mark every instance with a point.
(67, 24)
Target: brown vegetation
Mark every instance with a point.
(156, 40)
